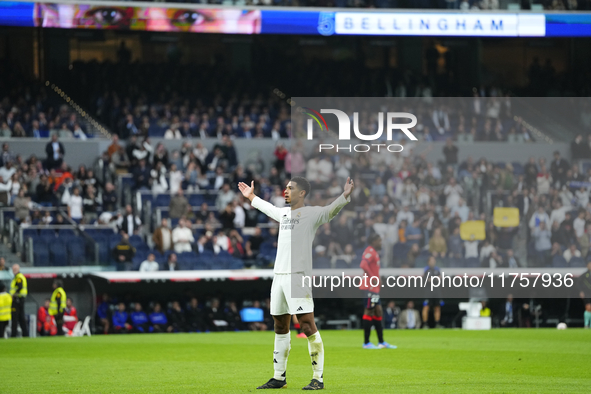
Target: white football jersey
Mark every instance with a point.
(297, 228)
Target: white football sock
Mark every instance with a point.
(280, 354)
(316, 348)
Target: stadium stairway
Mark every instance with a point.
(11, 258)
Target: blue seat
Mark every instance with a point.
(577, 262)
(321, 262)
(104, 249)
(75, 247)
(135, 240)
(114, 240)
(201, 263)
(40, 253)
(235, 264)
(195, 200)
(162, 200)
(341, 264)
(559, 262)
(66, 233)
(58, 253)
(138, 259)
(456, 263)
(30, 233)
(517, 168)
(472, 262)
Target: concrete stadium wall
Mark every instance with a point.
(86, 152)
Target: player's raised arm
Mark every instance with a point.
(268, 209)
(328, 212)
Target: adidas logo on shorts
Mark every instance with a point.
(300, 309)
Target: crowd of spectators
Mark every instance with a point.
(415, 204)
(121, 316)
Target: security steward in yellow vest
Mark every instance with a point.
(57, 305)
(18, 291)
(5, 305)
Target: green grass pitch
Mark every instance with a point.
(426, 361)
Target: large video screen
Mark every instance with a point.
(264, 20)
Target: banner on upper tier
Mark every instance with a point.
(266, 20)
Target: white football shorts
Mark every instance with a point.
(282, 302)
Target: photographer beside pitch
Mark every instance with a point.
(303, 225)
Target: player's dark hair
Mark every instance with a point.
(58, 282)
(2, 287)
(373, 238)
(303, 184)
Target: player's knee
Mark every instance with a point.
(281, 328)
(308, 328)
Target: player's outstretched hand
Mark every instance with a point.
(247, 191)
(349, 186)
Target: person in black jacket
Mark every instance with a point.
(55, 153)
(177, 318)
(109, 198)
(123, 254)
(194, 316)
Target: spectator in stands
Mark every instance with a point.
(227, 217)
(141, 175)
(409, 317)
(21, 206)
(571, 252)
(123, 253)
(159, 320)
(540, 216)
(171, 263)
(253, 245)
(139, 320)
(510, 260)
(179, 205)
(177, 318)
(544, 181)
(162, 237)
(109, 197)
(453, 192)
(76, 206)
(44, 195)
(114, 147)
(455, 244)
(450, 151)
(558, 169)
(55, 153)
(579, 230)
(70, 315)
(437, 244)
(413, 233)
(5, 189)
(225, 196)
(121, 161)
(129, 223)
(542, 237)
(461, 210)
(182, 237)
(120, 320)
(150, 264)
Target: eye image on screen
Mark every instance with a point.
(70, 16)
(202, 20)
